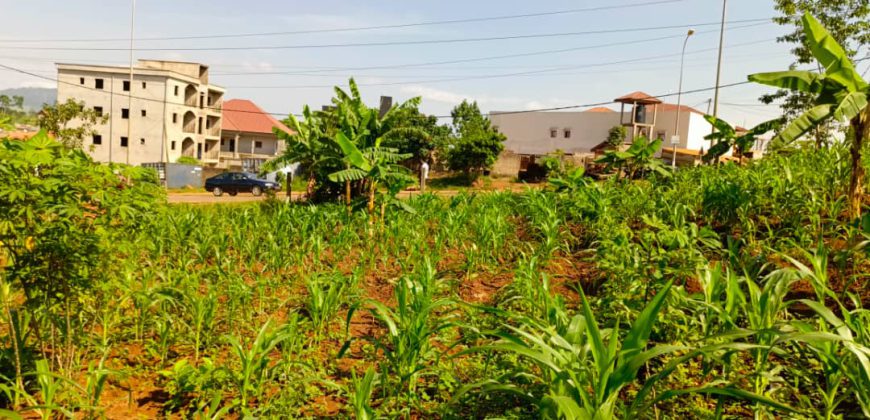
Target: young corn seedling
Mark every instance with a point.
(255, 365)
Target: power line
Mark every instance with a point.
(366, 28)
(544, 70)
(369, 44)
(560, 108)
(479, 77)
(503, 56)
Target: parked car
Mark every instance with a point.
(233, 183)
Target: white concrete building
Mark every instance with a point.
(172, 109)
(540, 133)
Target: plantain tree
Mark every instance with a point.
(840, 94)
(726, 137)
(308, 146)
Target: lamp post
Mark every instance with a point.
(676, 139)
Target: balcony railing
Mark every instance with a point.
(239, 155)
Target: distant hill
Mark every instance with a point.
(33, 97)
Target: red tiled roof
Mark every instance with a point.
(673, 107)
(638, 97)
(599, 109)
(244, 115)
(19, 135)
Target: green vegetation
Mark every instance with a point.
(56, 120)
(724, 291)
(616, 135)
(188, 160)
(717, 291)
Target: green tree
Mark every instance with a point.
(840, 94)
(726, 137)
(416, 133)
(70, 122)
(616, 135)
(475, 144)
(847, 21)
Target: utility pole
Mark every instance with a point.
(719, 62)
(130, 84)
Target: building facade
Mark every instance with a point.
(535, 134)
(248, 138)
(171, 108)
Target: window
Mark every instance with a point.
(144, 113)
(567, 133)
(207, 124)
(199, 126)
(176, 91)
(81, 80)
(142, 141)
(174, 117)
(258, 144)
(98, 83)
(97, 139)
(172, 145)
(98, 110)
(553, 133)
(126, 86)
(123, 142)
(125, 113)
(144, 85)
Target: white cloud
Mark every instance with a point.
(499, 103)
(433, 94)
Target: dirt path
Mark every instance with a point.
(208, 198)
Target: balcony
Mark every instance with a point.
(238, 155)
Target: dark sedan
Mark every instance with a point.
(233, 183)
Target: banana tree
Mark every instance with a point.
(365, 129)
(840, 94)
(726, 137)
(638, 158)
(376, 165)
(306, 146)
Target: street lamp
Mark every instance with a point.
(676, 138)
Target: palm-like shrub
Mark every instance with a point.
(840, 92)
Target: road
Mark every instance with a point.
(208, 198)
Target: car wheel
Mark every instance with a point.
(217, 191)
(256, 191)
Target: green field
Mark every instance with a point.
(723, 290)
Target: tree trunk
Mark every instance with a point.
(856, 181)
(347, 195)
(371, 205)
(309, 189)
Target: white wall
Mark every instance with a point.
(529, 133)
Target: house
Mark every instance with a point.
(247, 136)
(166, 111)
(581, 134)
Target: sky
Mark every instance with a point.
(549, 59)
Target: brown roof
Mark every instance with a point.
(18, 135)
(244, 115)
(599, 109)
(639, 98)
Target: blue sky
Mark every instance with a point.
(554, 79)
